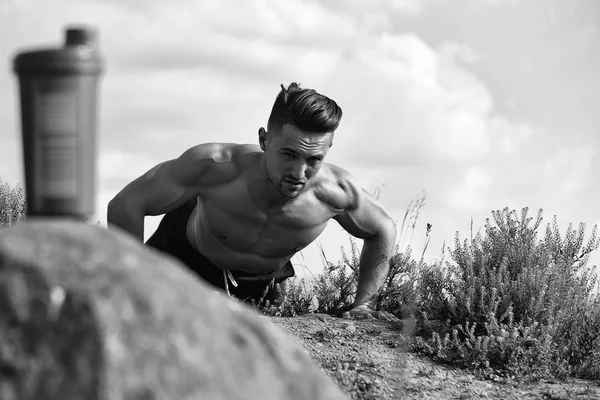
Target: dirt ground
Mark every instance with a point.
(369, 359)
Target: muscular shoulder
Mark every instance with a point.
(220, 152)
(339, 188)
(215, 163)
(361, 215)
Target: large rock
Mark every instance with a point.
(87, 313)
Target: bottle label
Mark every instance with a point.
(56, 119)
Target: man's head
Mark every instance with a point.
(298, 136)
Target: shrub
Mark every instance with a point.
(516, 304)
(335, 287)
(295, 299)
(13, 205)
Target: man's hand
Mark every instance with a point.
(365, 311)
(365, 218)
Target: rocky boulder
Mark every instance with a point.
(88, 313)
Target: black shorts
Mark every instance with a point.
(170, 237)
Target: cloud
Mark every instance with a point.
(460, 52)
(438, 111)
(415, 104)
(510, 138)
(561, 165)
(589, 32)
(11, 162)
(501, 2)
(360, 9)
(112, 164)
(256, 37)
(471, 193)
(573, 167)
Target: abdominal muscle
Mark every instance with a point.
(227, 257)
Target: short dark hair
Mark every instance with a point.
(305, 109)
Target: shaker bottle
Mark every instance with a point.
(58, 89)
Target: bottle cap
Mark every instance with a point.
(80, 36)
(79, 55)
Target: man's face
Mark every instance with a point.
(293, 157)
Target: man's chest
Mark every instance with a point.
(233, 205)
(229, 217)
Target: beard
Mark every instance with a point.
(286, 189)
(283, 184)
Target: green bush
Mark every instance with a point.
(335, 288)
(13, 205)
(295, 299)
(517, 305)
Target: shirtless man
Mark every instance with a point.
(236, 214)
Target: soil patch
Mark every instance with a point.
(369, 359)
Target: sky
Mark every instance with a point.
(478, 105)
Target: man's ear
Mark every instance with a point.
(262, 138)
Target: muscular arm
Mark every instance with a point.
(366, 219)
(164, 188)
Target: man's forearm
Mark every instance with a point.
(374, 267)
(128, 219)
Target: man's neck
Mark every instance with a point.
(262, 190)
